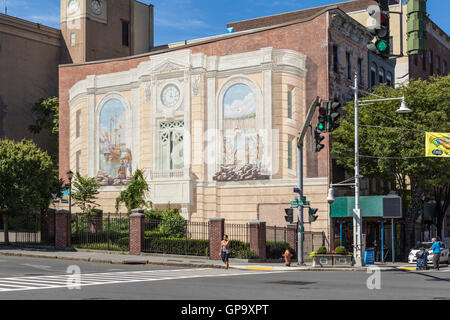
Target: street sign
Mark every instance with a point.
(297, 203)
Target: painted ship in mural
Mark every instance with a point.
(115, 156)
(242, 145)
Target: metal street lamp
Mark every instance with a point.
(70, 176)
(357, 217)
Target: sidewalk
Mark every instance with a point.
(172, 260)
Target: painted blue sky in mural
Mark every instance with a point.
(239, 102)
(112, 121)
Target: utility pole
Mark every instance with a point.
(6, 9)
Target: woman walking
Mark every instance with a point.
(225, 250)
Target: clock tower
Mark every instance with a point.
(105, 29)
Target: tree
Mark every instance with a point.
(392, 146)
(85, 190)
(47, 112)
(28, 179)
(134, 195)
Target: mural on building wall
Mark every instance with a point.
(115, 155)
(242, 144)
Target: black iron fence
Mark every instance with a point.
(100, 233)
(239, 236)
(277, 242)
(176, 237)
(23, 228)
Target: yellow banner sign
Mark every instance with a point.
(437, 144)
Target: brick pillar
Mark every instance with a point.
(48, 227)
(258, 239)
(96, 221)
(62, 229)
(216, 232)
(137, 231)
(291, 238)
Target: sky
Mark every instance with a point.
(179, 20)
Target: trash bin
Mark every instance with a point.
(369, 256)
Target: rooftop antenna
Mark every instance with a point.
(6, 9)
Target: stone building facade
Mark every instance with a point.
(213, 122)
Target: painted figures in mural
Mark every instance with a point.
(115, 156)
(242, 145)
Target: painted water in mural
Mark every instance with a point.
(242, 145)
(115, 155)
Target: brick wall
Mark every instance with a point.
(216, 232)
(137, 231)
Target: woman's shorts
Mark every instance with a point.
(225, 256)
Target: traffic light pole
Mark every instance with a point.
(357, 223)
(300, 227)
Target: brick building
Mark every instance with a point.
(30, 54)
(213, 122)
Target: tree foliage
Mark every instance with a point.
(47, 112)
(84, 193)
(392, 146)
(134, 195)
(28, 178)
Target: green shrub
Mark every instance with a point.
(245, 253)
(275, 249)
(123, 242)
(322, 250)
(173, 223)
(340, 250)
(177, 246)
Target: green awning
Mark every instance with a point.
(371, 206)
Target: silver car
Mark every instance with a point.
(427, 245)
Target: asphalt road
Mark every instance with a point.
(47, 279)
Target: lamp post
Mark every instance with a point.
(70, 176)
(357, 217)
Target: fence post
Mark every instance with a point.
(258, 239)
(216, 232)
(62, 229)
(48, 226)
(108, 232)
(137, 231)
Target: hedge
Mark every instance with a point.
(275, 249)
(177, 246)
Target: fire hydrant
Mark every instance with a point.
(287, 258)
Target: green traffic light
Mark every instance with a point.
(321, 126)
(381, 46)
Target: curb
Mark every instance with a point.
(186, 264)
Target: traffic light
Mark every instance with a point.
(334, 113)
(417, 24)
(312, 216)
(317, 141)
(322, 124)
(289, 217)
(380, 29)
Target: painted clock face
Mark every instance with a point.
(170, 96)
(96, 6)
(72, 6)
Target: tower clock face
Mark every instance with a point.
(170, 96)
(72, 6)
(96, 6)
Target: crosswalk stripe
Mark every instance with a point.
(69, 280)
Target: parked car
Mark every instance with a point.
(427, 245)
